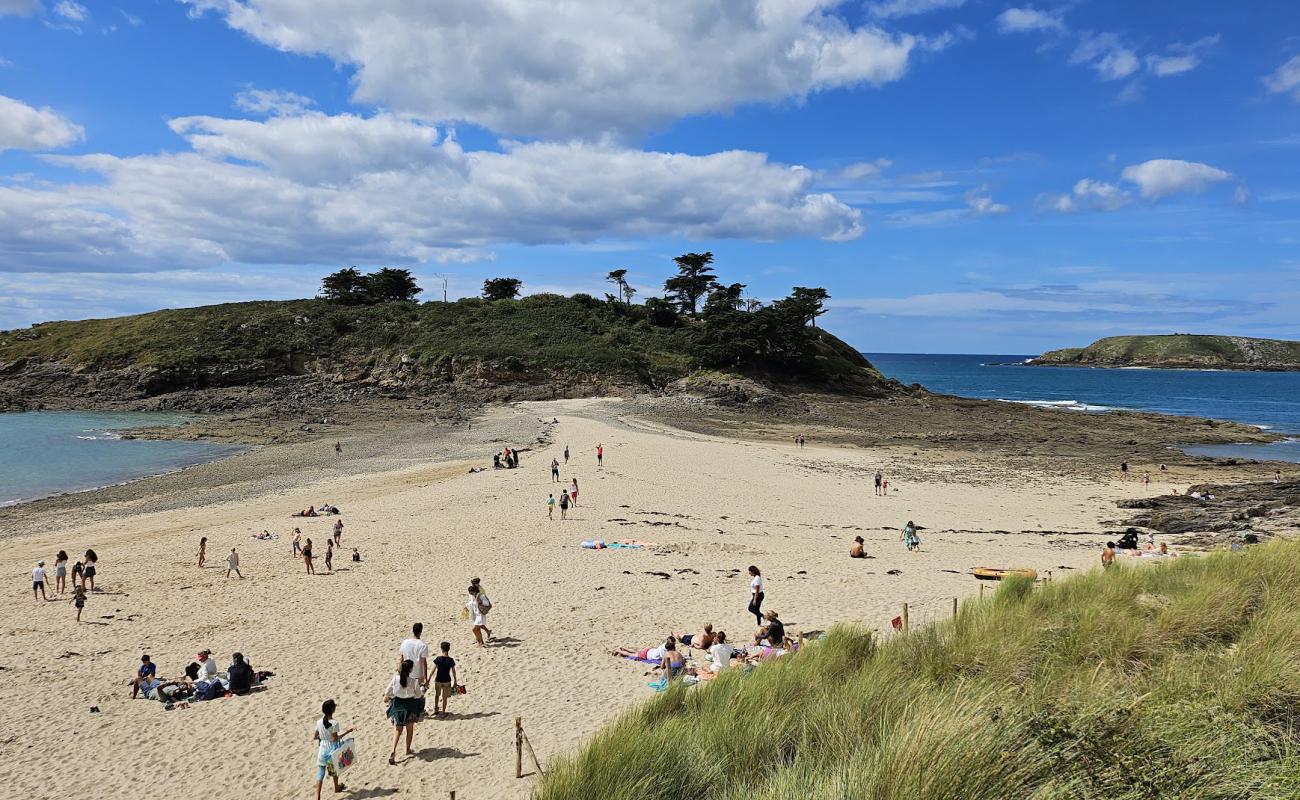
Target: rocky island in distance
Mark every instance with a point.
(1179, 351)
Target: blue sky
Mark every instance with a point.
(961, 175)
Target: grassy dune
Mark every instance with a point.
(1148, 681)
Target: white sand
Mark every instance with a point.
(423, 533)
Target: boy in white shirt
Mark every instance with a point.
(38, 580)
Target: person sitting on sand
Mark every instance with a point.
(1108, 554)
(857, 549)
(773, 631)
(207, 665)
(496, 461)
(264, 536)
(1129, 541)
(671, 662)
(145, 675)
(700, 641)
(356, 556)
(721, 653)
(240, 675)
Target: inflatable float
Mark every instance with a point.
(997, 574)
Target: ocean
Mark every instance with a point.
(1268, 400)
(52, 452)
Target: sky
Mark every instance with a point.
(962, 176)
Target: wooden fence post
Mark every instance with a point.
(519, 747)
(954, 608)
(800, 640)
(981, 590)
(905, 626)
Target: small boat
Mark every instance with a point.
(997, 574)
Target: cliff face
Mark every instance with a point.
(309, 353)
(1180, 351)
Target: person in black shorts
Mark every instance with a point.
(444, 679)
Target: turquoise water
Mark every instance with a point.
(51, 452)
(1269, 400)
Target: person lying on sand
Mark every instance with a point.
(857, 549)
(309, 511)
(701, 641)
(653, 654)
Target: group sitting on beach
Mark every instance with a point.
(200, 680)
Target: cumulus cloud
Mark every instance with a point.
(1285, 79)
(1153, 180)
(1162, 177)
(23, 127)
(982, 205)
(580, 69)
(1105, 54)
(907, 8)
(1021, 20)
(272, 101)
(1181, 57)
(319, 189)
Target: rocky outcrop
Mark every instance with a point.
(1179, 351)
(1259, 507)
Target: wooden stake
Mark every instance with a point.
(954, 608)
(537, 765)
(905, 628)
(800, 640)
(981, 590)
(519, 747)
(453, 794)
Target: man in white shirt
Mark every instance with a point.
(418, 652)
(38, 580)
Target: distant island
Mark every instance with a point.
(1179, 351)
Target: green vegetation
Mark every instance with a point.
(387, 285)
(501, 288)
(526, 339)
(1145, 681)
(1181, 350)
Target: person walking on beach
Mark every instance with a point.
(88, 573)
(555, 470)
(329, 555)
(61, 572)
(1123, 470)
(566, 454)
(338, 448)
(203, 551)
(550, 506)
(879, 479)
(327, 733)
(78, 574)
(756, 594)
(307, 557)
(600, 454)
(573, 492)
(79, 600)
(405, 697)
(232, 564)
(477, 620)
(338, 533)
(444, 679)
(38, 581)
(484, 603)
(564, 504)
(1146, 479)
(414, 649)
(297, 543)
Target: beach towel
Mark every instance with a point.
(659, 685)
(640, 660)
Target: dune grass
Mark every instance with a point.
(1176, 680)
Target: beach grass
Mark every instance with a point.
(1179, 679)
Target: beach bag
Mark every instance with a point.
(484, 603)
(344, 755)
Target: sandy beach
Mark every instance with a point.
(424, 526)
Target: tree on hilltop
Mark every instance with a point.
(347, 285)
(501, 288)
(618, 277)
(391, 285)
(693, 281)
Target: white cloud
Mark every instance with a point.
(23, 127)
(1020, 20)
(272, 101)
(907, 8)
(578, 69)
(1285, 79)
(1105, 54)
(69, 10)
(1182, 58)
(19, 8)
(982, 205)
(317, 189)
(862, 170)
(1162, 177)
